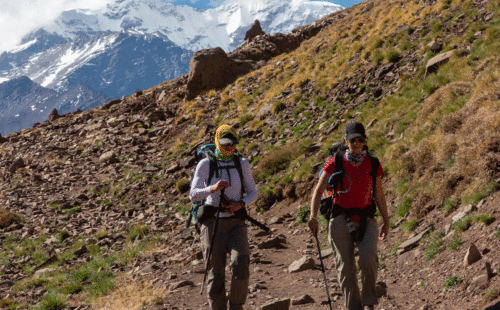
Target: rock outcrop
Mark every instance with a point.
(212, 68)
(254, 31)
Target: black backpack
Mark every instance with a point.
(198, 212)
(327, 208)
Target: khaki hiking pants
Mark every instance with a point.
(343, 245)
(230, 238)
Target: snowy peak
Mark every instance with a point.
(192, 28)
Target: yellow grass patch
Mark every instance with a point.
(130, 294)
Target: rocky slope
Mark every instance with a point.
(93, 208)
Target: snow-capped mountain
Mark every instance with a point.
(23, 103)
(136, 44)
(191, 28)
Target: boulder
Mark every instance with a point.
(282, 304)
(254, 31)
(472, 255)
(108, 157)
(302, 300)
(18, 163)
(306, 262)
(53, 116)
(434, 63)
(40, 273)
(212, 69)
(435, 46)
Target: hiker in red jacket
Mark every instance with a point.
(352, 219)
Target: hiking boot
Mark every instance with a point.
(369, 307)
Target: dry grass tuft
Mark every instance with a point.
(130, 294)
(8, 218)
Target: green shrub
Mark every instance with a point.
(302, 213)
(268, 196)
(410, 225)
(320, 101)
(101, 286)
(8, 218)
(433, 249)
(455, 242)
(138, 231)
(393, 56)
(63, 235)
(53, 301)
(404, 207)
(245, 118)
(275, 161)
(252, 147)
(463, 224)
(452, 281)
(72, 288)
(278, 106)
(183, 185)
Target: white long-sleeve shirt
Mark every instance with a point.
(200, 190)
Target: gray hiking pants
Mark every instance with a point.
(343, 245)
(230, 238)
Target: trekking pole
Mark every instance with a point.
(212, 242)
(324, 272)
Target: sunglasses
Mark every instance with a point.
(359, 140)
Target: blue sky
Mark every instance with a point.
(206, 4)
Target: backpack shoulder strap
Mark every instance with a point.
(375, 166)
(237, 164)
(212, 169)
(339, 167)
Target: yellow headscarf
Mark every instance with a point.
(224, 154)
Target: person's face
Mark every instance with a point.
(356, 145)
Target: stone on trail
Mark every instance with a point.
(472, 255)
(283, 304)
(306, 262)
(177, 285)
(272, 243)
(302, 300)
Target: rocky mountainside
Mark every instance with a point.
(94, 203)
(24, 103)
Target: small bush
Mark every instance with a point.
(451, 282)
(53, 301)
(463, 224)
(404, 207)
(183, 185)
(8, 218)
(491, 295)
(138, 231)
(63, 235)
(268, 196)
(393, 56)
(278, 106)
(433, 249)
(252, 147)
(275, 161)
(245, 118)
(302, 214)
(455, 242)
(72, 288)
(410, 225)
